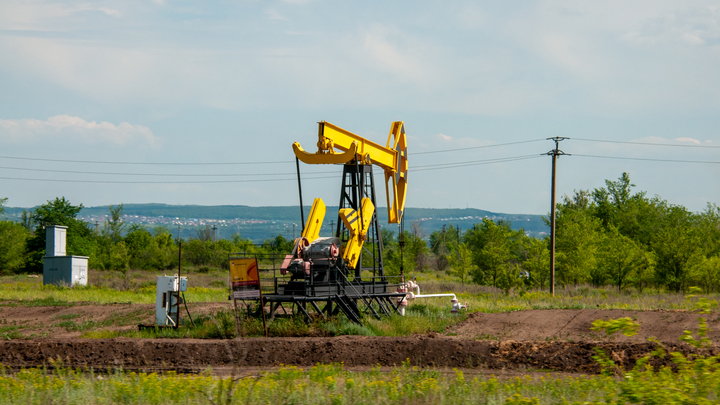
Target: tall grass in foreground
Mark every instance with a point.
(331, 384)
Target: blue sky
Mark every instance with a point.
(239, 81)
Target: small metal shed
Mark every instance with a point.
(58, 267)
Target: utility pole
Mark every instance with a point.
(554, 153)
(293, 231)
(178, 233)
(214, 228)
(96, 228)
(332, 228)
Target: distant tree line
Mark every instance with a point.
(606, 236)
(116, 245)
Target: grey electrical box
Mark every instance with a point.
(58, 267)
(55, 240)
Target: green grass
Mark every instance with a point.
(67, 316)
(10, 333)
(422, 315)
(72, 326)
(221, 325)
(489, 299)
(35, 294)
(693, 382)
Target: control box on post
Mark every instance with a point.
(168, 300)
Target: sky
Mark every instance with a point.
(191, 102)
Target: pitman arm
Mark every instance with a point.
(392, 158)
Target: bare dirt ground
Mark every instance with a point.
(527, 341)
(47, 321)
(575, 325)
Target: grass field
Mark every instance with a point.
(211, 286)
(695, 382)
(423, 315)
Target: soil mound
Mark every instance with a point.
(425, 351)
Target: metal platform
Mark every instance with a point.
(353, 297)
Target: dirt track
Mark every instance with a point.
(559, 340)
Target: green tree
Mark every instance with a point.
(279, 244)
(644, 274)
(26, 220)
(634, 215)
(115, 225)
(577, 238)
(707, 273)
(619, 258)
(80, 238)
(443, 242)
(410, 256)
(167, 255)
(461, 262)
(708, 224)
(509, 277)
(242, 245)
(13, 238)
(537, 261)
(677, 249)
(492, 260)
(493, 246)
(142, 249)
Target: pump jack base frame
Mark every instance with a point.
(352, 306)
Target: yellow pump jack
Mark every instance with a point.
(355, 149)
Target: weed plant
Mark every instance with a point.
(697, 382)
(221, 325)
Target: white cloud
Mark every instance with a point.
(48, 16)
(691, 140)
(690, 24)
(275, 15)
(76, 129)
(111, 11)
(392, 51)
(465, 142)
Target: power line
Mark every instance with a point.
(646, 143)
(157, 182)
(477, 147)
(473, 162)
(649, 159)
(439, 166)
(146, 163)
(153, 174)
(418, 168)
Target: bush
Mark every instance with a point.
(12, 247)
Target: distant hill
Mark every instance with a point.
(259, 223)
